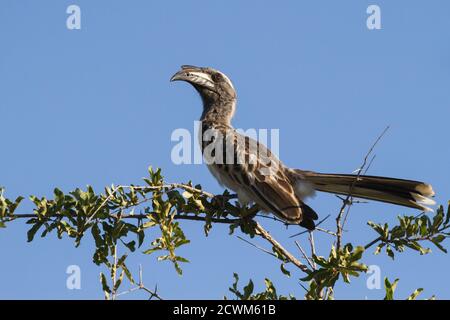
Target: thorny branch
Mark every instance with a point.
(259, 230)
(140, 286)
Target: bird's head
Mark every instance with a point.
(213, 85)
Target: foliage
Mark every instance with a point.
(7, 208)
(413, 230)
(270, 293)
(343, 262)
(390, 290)
(127, 218)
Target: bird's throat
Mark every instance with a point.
(221, 112)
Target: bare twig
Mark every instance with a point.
(277, 219)
(326, 231)
(312, 245)
(258, 247)
(370, 164)
(303, 252)
(348, 200)
(141, 286)
(317, 224)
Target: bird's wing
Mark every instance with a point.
(266, 178)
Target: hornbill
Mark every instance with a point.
(252, 171)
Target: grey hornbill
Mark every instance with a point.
(258, 176)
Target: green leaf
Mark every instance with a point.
(148, 224)
(437, 220)
(447, 217)
(119, 281)
(128, 274)
(378, 228)
(390, 288)
(178, 269)
(32, 232)
(284, 270)
(357, 254)
(131, 245)
(379, 247)
(141, 236)
(236, 280)
(437, 242)
(248, 290)
(414, 295)
(121, 260)
(321, 261)
(106, 289)
(151, 250)
(390, 252)
(95, 230)
(181, 259)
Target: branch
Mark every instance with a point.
(141, 286)
(258, 247)
(266, 235)
(409, 239)
(258, 229)
(348, 200)
(138, 217)
(310, 262)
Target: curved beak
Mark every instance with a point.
(194, 75)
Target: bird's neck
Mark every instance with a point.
(218, 111)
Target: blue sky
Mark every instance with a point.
(95, 106)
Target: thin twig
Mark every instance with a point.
(326, 231)
(141, 286)
(257, 247)
(310, 262)
(370, 164)
(347, 201)
(276, 219)
(317, 224)
(312, 245)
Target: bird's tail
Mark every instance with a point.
(408, 193)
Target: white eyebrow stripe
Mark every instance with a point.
(228, 79)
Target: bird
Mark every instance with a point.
(257, 176)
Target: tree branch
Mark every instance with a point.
(266, 235)
(260, 231)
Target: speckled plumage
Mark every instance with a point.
(256, 175)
